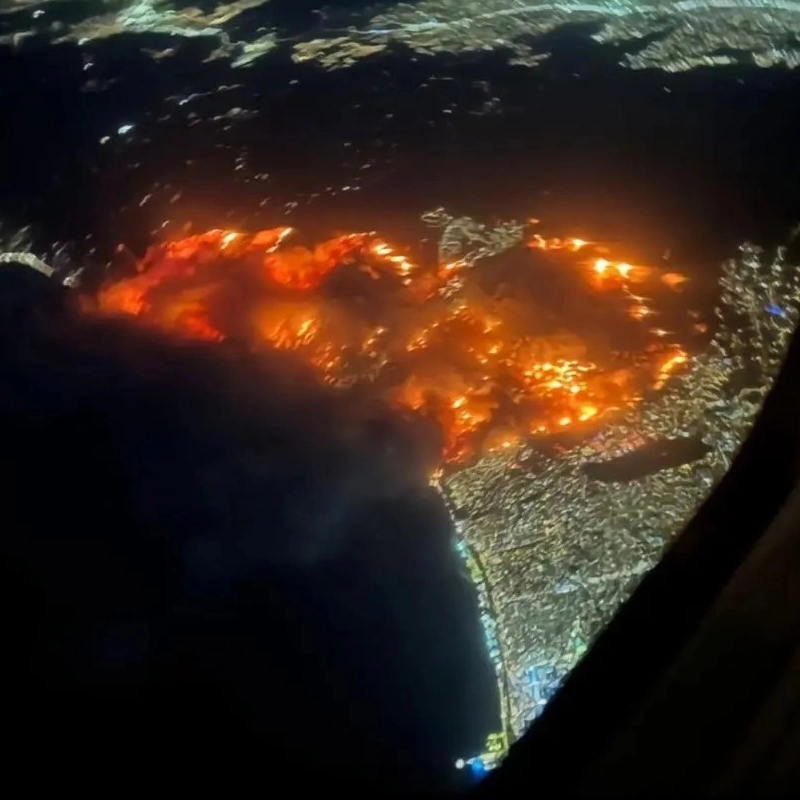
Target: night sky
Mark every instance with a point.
(215, 551)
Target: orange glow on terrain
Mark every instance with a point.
(491, 366)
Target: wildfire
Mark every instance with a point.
(426, 338)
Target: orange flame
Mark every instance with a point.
(357, 310)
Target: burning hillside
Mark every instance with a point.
(544, 336)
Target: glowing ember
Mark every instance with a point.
(430, 338)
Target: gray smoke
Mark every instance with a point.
(192, 516)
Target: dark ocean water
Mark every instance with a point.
(381, 656)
